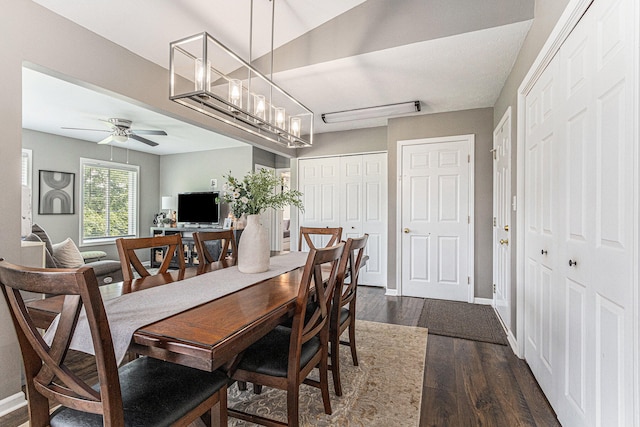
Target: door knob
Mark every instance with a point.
(506, 228)
(504, 241)
(543, 252)
(406, 230)
(572, 263)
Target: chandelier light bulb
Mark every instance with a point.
(280, 117)
(235, 92)
(294, 126)
(202, 75)
(259, 106)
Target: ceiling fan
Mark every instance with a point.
(121, 131)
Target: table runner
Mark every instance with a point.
(130, 312)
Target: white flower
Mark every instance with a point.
(236, 194)
(244, 200)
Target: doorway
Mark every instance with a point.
(435, 217)
(502, 219)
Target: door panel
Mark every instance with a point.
(435, 199)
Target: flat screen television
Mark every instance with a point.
(199, 208)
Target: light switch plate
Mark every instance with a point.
(214, 183)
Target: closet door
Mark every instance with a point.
(318, 180)
(374, 212)
(580, 204)
(363, 209)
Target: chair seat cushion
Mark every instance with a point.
(270, 354)
(154, 393)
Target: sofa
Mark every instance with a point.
(67, 255)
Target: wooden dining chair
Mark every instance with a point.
(213, 246)
(172, 251)
(285, 356)
(144, 392)
(343, 309)
(319, 234)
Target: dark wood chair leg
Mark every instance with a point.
(257, 388)
(335, 363)
(352, 342)
(292, 404)
(324, 382)
(242, 385)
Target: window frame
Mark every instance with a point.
(28, 154)
(110, 165)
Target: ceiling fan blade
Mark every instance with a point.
(148, 132)
(106, 140)
(94, 130)
(141, 139)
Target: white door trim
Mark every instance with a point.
(505, 118)
(470, 253)
(568, 20)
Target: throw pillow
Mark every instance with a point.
(67, 254)
(49, 262)
(39, 231)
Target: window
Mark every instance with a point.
(26, 167)
(108, 201)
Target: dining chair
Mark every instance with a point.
(343, 309)
(144, 392)
(285, 356)
(171, 245)
(319, 234)
(213, 246)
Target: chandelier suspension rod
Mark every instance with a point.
(250, 53)
(273, 19)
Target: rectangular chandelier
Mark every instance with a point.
(208, 77)
(372, 112)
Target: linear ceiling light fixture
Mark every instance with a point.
(372, 112)
(208, 77)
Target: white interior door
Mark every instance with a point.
(374, 217)
(580, 202)
(319, 180)
(436, 196)
(502, 219)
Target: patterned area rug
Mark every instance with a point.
(384, 388)
(462, 320)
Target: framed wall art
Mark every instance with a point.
(56, 195)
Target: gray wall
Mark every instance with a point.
(187, 172)
(53, 152)
(479, 123)
(547, 13)
(346, 142)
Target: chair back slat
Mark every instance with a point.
(307, 235)
(227, 240)
(349, 269)
(46, 373)
(308, 325)
(129, 258)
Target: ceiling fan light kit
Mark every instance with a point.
(372, 112)
(208, 77)
(121, 132)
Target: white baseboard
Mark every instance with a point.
(483, 301)
(514, 345)
(12, 403)
(391, 292)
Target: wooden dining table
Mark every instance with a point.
(205, 336)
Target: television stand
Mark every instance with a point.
(188, 243)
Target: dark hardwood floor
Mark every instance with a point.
(466, 383)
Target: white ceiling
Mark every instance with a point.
(461, 70)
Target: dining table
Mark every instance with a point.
(209, 333)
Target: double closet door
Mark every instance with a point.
(580, 202)
(349, 192)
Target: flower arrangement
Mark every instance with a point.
(256, 192)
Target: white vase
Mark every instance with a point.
(253, 247)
